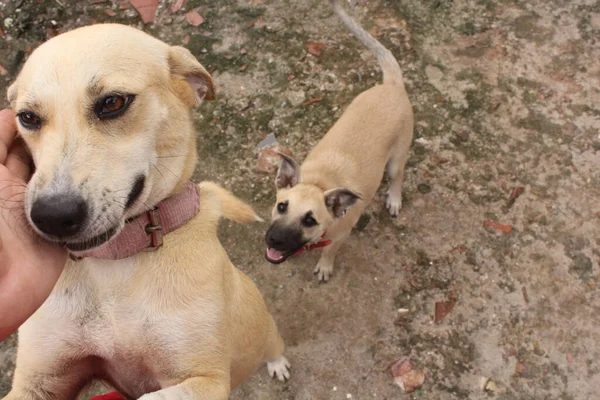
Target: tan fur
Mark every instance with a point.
(232, 207)
(375, 130)
(181, 322)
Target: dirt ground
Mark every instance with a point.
(506, 95)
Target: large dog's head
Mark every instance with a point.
(106, 113)
(302, 213)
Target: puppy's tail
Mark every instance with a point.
(232, 207)
(392, 73)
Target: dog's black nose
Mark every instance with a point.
(283, 239)
(61, 216)
(275, 240)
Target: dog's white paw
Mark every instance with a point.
(323, 271)
(393, 203)
(279, 368)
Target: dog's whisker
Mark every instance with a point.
(172, 156)
(161, 174)
(168, 170)
(14, 203)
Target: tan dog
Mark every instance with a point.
(106, 113)
(325, 197)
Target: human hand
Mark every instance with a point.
(29, 265)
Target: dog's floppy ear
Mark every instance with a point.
(339, 200)
(288, 174)
(184, 65)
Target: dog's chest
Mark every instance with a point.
(112, 327)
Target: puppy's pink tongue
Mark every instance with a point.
(274, 254)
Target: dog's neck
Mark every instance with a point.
(145, 232)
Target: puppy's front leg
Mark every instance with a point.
(197, 388)
(324, 267)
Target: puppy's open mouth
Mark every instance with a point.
(92, 242)
(277, 257)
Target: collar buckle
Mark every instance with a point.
(154, 229)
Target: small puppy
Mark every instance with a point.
(319, 202)
(106, 113)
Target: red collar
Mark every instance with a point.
(145, 232)
(321, 243)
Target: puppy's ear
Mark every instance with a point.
(339, 200)
(185, 66)
(288, 174)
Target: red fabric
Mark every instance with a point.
(173, 212)
(322, 243)
(109, 396)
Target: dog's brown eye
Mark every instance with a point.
(29, 120)
(113, 103)
(112, 106)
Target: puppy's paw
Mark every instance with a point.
(279, 368)
(323, 271)
(393, 203)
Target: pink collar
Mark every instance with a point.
(145, 232)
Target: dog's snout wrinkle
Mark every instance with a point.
(136, 190)
(61, 216)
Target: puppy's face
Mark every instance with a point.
(302, 212)
(105, 112)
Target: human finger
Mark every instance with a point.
(18, 160)
(8, 130)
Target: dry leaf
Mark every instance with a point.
(407, 376)
(243, 67)
(177, 4)
(194, 18)
(3, 71)
(491, 386)
(401, 367)
(387, 23)
(307, 102)
(146, 9)
(110, 12)
(443, 308)
(519, 369)
(269, 160)
(315, 48)
(256, 2)
(513, 196)
(412, 380)
(51, 32)
(1, 32)
(497, 225)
